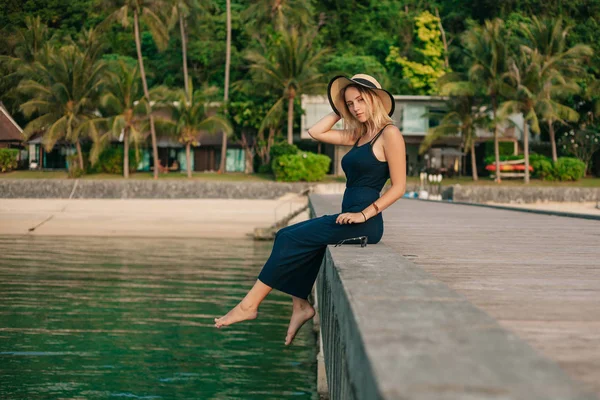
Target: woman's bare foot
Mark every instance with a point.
(303, 311)
(239, 313)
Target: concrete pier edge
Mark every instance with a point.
(390, 330)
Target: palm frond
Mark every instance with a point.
(157, 27)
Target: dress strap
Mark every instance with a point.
(379, 134)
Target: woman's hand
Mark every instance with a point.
(350, 218)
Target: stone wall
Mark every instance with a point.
(144, 189)
(520, 194)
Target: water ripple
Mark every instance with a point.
(111, 317)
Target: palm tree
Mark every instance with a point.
(144, 10)
(549, 37)
(127, 108)
(29, 41)
(463, 118)
(487, 49)
(280, 13)
(189, 119)
(180, 12)
(226, 95)
(290, 69)
(63, 96)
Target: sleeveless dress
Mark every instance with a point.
(298, 249)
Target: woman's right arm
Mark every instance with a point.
(322, 131)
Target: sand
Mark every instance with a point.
(214, 218)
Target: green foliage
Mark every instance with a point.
(282, 149)
(581, 143)
(277, 150)
(569, 169)
(505, 149)
(424, 73)
(565, 169)
(350, 64)
(542, 166)
(307, 167)
(8, 159)
(405, 53)
(110, 161)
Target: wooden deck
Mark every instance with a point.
(537, 275)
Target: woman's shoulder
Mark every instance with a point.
(392, 138)
(391, 131)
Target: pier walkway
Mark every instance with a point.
(463, 302)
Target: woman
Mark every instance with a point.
(378, 153)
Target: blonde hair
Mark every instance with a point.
(377, 114)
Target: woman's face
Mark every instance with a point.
(356, 104)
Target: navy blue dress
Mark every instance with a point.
(299, 249)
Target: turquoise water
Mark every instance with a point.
(103, 318)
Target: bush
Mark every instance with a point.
(568, 169)
(282, 149)
(8, 159)
(542, 166)
(111, 161)
(277, 150)
(308, 167)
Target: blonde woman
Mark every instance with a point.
(377, 153)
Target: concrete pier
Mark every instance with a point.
(463, 302)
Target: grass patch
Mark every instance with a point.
(196, 176)
(241, 177)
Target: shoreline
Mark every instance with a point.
(173, 218)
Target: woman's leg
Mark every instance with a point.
(247, 308)
(302, 311)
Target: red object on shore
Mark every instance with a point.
(508, 167)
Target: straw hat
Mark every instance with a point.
(339, 82)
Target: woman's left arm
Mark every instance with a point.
(395, 154)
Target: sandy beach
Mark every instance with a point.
(203, 218)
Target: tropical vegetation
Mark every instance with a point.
(103, 71)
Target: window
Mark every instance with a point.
(414, 119)
(435, 116)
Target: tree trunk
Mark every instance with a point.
(270, 141)
(473, 162)
(249, 155)
(526, 149)
(138, 45)
(184, 51)
(226, 96)
(496, 141)
(552, 141)
(188, 159)
(126, 154)
(290, 136)
(79, 154)
(446, 62)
